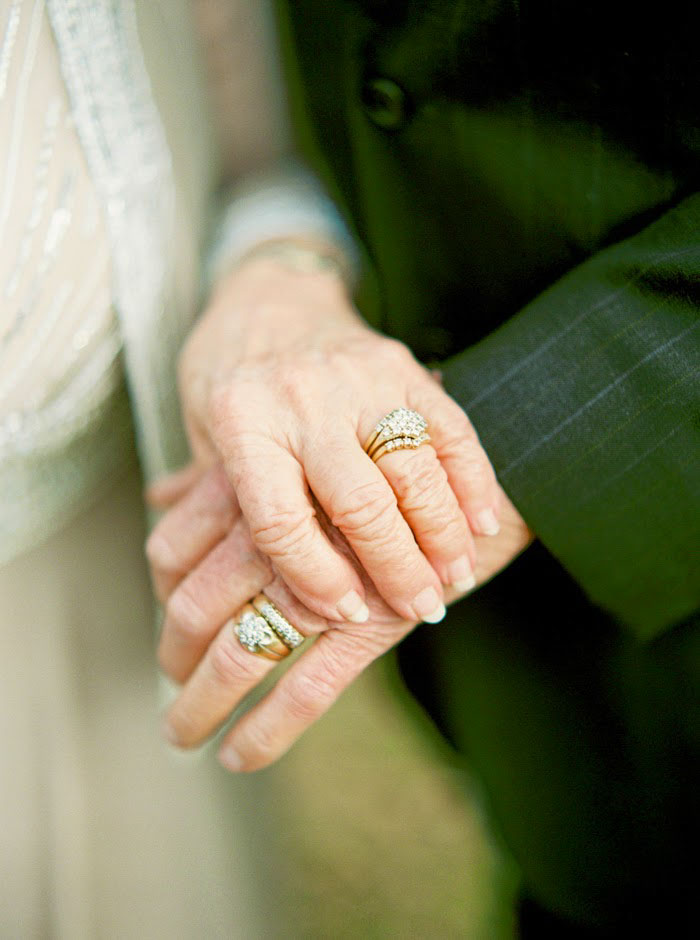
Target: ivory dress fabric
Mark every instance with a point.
(102, 835)
(108, 163)
(58, 330)
(63, 422)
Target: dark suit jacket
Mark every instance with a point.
(523, 177)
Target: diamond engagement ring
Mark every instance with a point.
(257, 636)
(263, 629)
(401, 429)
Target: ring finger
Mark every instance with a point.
(231, 574)
(428, 503)
(233, 665)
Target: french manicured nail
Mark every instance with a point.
(353, 608)
(230, 758)
(461, 575)
(428, 606)
(487, 522)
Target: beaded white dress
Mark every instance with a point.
(108, 163)
(59, 335)
(60, 341)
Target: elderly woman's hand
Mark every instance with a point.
(206, 568)
(283, 382)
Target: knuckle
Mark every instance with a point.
(160, 552)
(444, 531)
(226, 407)
(282, 531)
(419, 480)
(356, 648)
(309, 696)
(183, 614)
(227, 663)
(427, 492)
(258, 742)
(465, 452)
(339, 657)
(293, 382)
(365, 510)
(163, 585)
(452, 527)
(397, 353)
(459, 436)
(219, 491)
(476, 469)
(461, 440)
(187, 731)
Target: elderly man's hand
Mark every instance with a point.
(206, 567)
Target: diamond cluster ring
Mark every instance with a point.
(262, 629)
(401, 429)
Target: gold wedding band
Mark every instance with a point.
(264, 630)
(401, 429)
(275, 619)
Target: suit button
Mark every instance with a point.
(385, 103)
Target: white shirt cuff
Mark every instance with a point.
(288, 201)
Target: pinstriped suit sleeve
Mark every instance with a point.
(588, 404)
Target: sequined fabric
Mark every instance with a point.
(60, 370)
(59, 337)
(97, 269)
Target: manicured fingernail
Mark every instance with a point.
(487, 522)
(352, 607)
(461, 575)
(428, 606)
(230, 758)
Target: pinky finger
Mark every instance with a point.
(467, 465)
(303, 694)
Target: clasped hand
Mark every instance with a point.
(281, 383)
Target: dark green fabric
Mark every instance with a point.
(529, 143)
(587, 403)
(586, 742)
(523, 177)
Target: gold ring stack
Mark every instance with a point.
(289, 634)
(262, 629)
(401, 429)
